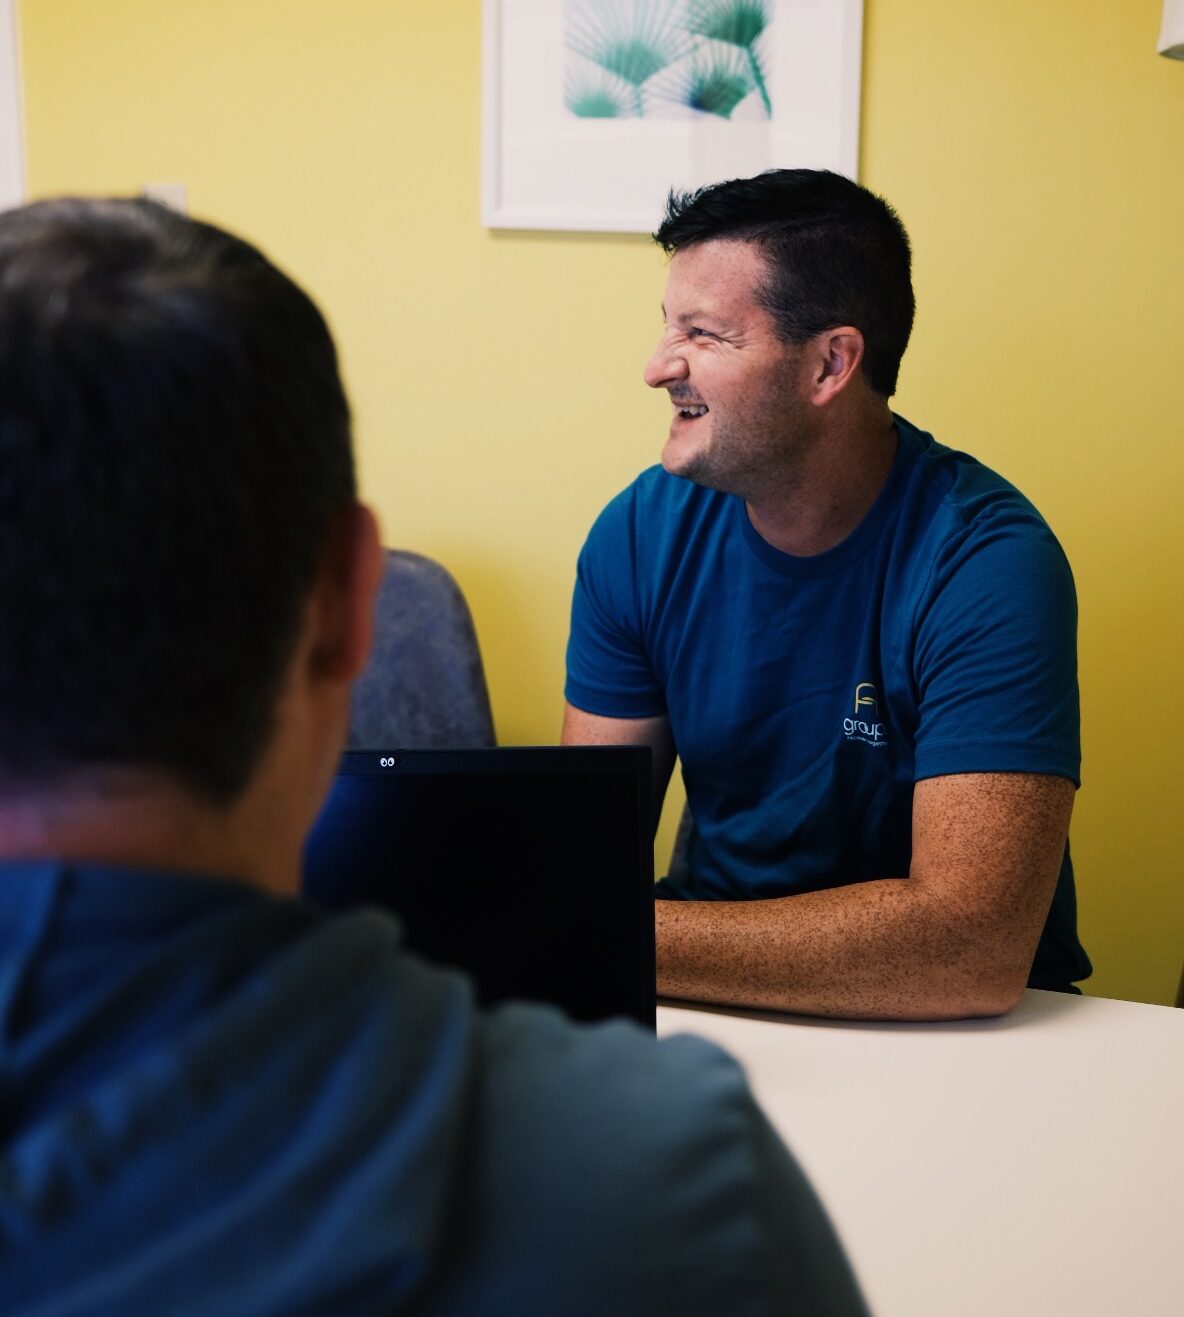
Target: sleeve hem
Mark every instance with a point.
(614, 704)
(995, 757)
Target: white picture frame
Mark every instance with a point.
(12, 153)
(556, 156)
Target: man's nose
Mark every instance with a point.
(665, 367)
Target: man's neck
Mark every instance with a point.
(134, 819)
(828, 500)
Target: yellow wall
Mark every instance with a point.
(1035, 148)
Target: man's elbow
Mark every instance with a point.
(997, 998)
(987, 991)
(978, 966)
(961, 987)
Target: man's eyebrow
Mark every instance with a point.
(694, 316)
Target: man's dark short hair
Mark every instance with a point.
(174, 446)
(837, 255)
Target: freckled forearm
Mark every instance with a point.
(876, 950)
(954, 939)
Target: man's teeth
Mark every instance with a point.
(689, 412)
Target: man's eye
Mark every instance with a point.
(695, 332)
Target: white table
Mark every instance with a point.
(1032, 1164)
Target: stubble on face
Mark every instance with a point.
(753, 444)
(721, 351)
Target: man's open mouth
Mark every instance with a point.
(689, 413)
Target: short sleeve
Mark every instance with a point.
(996, 653)
(609, 669)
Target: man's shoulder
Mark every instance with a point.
(645, 1164)
(960, 485)
(610, 1072)
(655, 513)
(962, 524)
(655, 490)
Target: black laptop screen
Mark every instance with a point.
(531, 868)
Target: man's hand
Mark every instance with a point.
(955, 938)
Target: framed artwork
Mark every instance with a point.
(12, 172)
(595, 109)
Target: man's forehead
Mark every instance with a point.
(721, 275)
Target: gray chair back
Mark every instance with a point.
(424, 687)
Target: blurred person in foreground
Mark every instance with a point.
(216, 1098)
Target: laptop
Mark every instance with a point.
(529, 867)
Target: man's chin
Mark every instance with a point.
(699, 469)
(680, 459)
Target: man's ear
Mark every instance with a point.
(837, 354)
(344, 594)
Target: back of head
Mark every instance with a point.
(174, 443)
(837, 255)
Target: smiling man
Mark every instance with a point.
(859, 643)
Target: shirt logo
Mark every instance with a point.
(864, 724)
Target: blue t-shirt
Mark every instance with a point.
(216, 1101)
(806, 696)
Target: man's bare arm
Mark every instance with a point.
(955, 938)
(580, 728)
